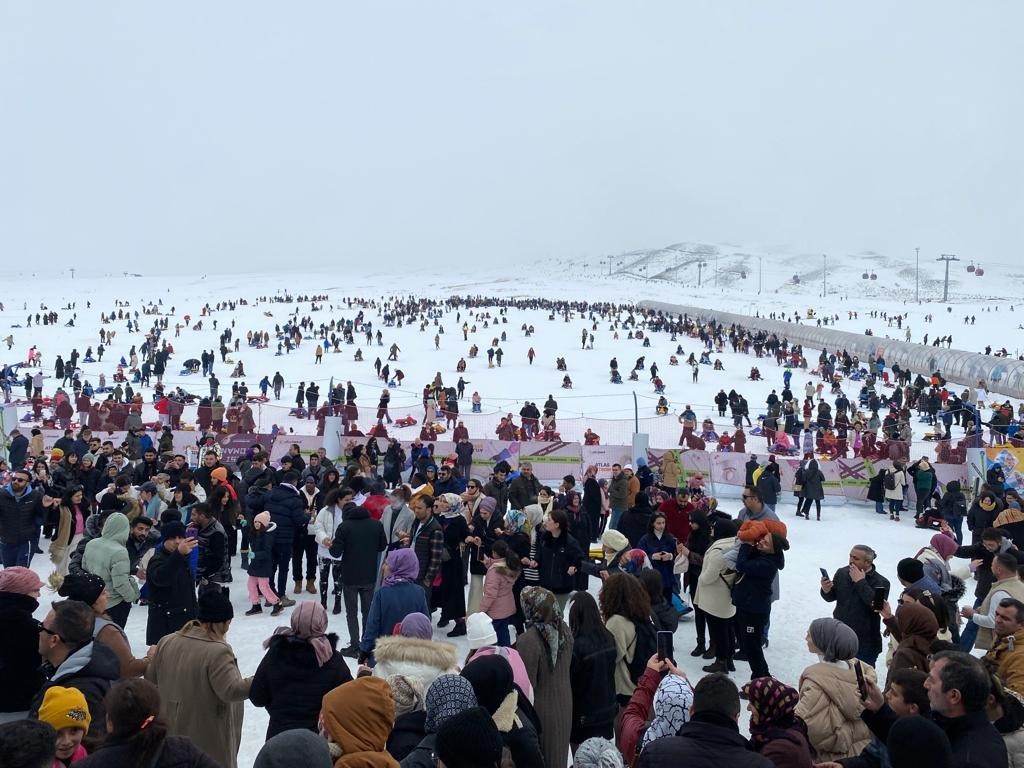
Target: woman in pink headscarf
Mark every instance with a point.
(300, 666)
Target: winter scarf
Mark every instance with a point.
(402, 566)
(539, 610)
(672, 703)
(775, 705)
(309, 623)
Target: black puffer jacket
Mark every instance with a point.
(19, 654)
(177, 752)
(554, 558)
(291, 686)
(19, 517)
(358, 541)
(705, 740)
(408, 732)
(287, 509)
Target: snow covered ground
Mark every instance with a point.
(593, 400)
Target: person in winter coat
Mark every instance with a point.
(288, 511)
(711, 737)
(757, 564)
(201, 688)
(324, 525)
(214, 564)
(624, 603)
(398, 596)
(261, 565)
(671, 471)
(517, 722)
(357, 718)
(953, 507)
(916, 628)
(108, 558)
(410, 717)
(876, 490)
(714, 598)
(769, 485)
(498, 601)
(852, 589)
(172, 592)
(895, 485)
(139, 735)
(523, 490)
(810, 479)
(925, 482)
(546, 648)
(558, 557)
(659, 707)
(358, 541)
(618, 495)
(830, 703)
(300, 667)
(412, 653)
(73, 659)
(19, 641)
(776, 731)
(983, 513)
(660, 547)
(591, 672)
(635, 522)
(66, 710)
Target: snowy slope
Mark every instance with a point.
(815, 544)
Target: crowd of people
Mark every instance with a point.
(556, 672)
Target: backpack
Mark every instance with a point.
(644, 645)
(890, 481)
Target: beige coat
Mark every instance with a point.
(713, 594)
(624, 632)
(830, 705)
(201, 690)
(671, 472)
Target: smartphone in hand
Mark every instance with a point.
(879, 599)
(862, 686)
(664, 645)
(824, 573)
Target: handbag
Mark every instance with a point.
(681, 564)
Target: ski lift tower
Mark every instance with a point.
(946, 257)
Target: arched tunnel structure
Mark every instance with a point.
(1001, 375)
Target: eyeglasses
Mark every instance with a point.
(19, 479)
(43, 628)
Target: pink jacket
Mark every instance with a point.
(78, 754)
(497, 601)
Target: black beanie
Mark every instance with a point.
(469, 739)
(910, 569)
(214, 607)
(84, 586)
(917, 741)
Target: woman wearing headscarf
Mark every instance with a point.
(776, 732)
(451, 597)
(597, 753)
(696, 545)
(410, 716)
(592, 671)
(356, 718)
(412, 653)
(517, 532)
(916, 629)
(670, 698)
(496, 691)
(546, 648)
(398, 596)
(635, 520)
(830, 702)
(300, 666)
(446, 697)
(935, 558)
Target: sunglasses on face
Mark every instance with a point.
(43, 628)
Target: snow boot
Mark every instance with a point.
(256, 609)
(277, 609)
(245, 560)
(337, 605)
(310, 586)
(298, 587)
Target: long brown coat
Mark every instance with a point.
(201, 690)
(552, 694)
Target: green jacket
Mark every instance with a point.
(107, 557)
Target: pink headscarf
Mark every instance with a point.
(944, 545)
(309, 623)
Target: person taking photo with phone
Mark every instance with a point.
(853, 589)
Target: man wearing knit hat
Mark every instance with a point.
(68, 712)
(172, 594)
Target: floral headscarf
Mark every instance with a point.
(540, 610)
(672, 703)
(514, 521)
(775, 705)
(634, 561)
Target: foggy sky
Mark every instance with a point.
(199, 136)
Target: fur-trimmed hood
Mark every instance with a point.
(413, 657)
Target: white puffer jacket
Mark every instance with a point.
(327, 521)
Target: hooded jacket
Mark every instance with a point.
(107, 557)
(357, 543)
(425, 660)
(830, 705)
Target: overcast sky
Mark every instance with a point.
(208, 136)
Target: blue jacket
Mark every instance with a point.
(757, 570)
(389, 606)
(650, 544)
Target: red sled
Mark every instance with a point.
(405, 421)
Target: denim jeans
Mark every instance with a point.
(16, 554)
(501, 630)
(970, 633)
(957, 524)
(613, 522)
(880, 507)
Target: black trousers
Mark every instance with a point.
(325, 573)
(304, 544)
(720, 631)
(749, 630)
(119, 613)
(364, 594)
